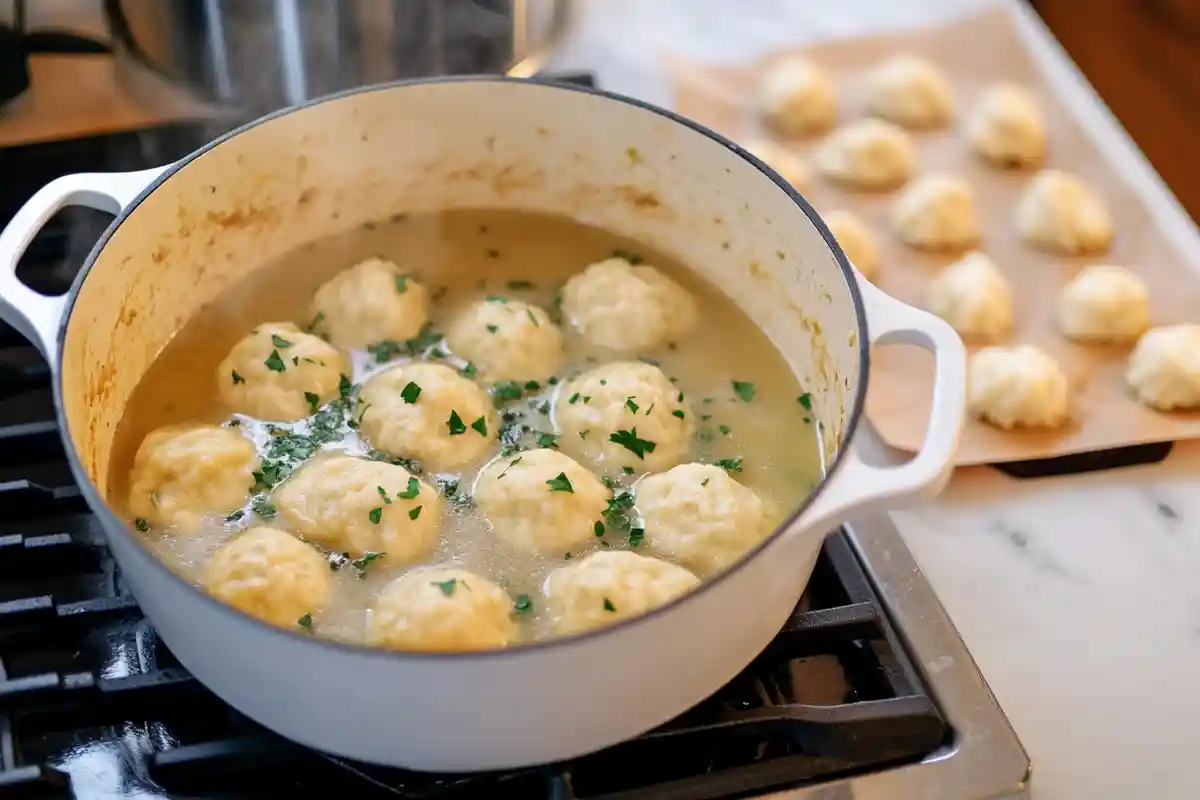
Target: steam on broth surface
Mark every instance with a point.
(746, 449)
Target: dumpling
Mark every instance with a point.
(428, 412)
(910, 91)
(1164, 368)
(1017, 387)
(624, 414)
(856, 241)
(507, 340)
(351, 505)
(541, 501)
(936, 213)
(973, 297)
(441, 609)
(372, 301)
(617, 305)
(700, 517)
(269, 574)
(1060, 213)
(184, 472)
(797, 98)
(280, 373)
(611, 585)
(1005, 127)
(1104, 303)
(789, 165)
(869, 154)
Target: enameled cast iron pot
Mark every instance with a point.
(187, 231)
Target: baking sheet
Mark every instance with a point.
(976, 51)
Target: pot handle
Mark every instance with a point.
(37, 316)
(859, 487)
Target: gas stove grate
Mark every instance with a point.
(92, 704)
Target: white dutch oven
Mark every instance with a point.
(185, 232)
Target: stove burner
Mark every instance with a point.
(94, 705)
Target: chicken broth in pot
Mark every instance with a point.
(462, 431)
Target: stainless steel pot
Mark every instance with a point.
(186, 232)
(260, 55)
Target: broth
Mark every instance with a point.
(461, 256)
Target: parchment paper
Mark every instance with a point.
(976, 51)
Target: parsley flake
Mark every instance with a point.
(518, 285)
(523, 604)
(560, 483)
(375, 514)
(360, 564)
(410, 392)
(632, 406)
(492, 328)
(608, 605)
(480, 426)
(305, 622)
(280, 342)
(455, 424)
(314, 402)
(383, 493)
(547, 440)
(414, 512)
(677, 413)
(141, 525)
(636, 535)
(275, 363)
(468, 370)
(745, 390)
(412, 490)
(446, 586)
(805, 400)
(630, 441)
(401, 284)
(731, 464)
(598, 528)
(237, 378)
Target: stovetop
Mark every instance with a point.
(868, 692)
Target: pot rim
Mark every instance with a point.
(115, 526)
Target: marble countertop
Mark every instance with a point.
(1080, 596)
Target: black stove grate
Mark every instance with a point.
(93, 705)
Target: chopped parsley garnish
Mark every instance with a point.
(410, 392)
(505, 391)
(574, 399)
(262, 507)
(412, 490)
(636, 535)
(731, 464)
(704, 482)
(518, 285)
(468, 370)
(446, 586)
(627, 470)
(745, 390)
(632, 406)
(275, 363)
(491, 298)
(511, 464)
(631, 257)
(280, 342)
(360, 564)
(630, 441)
(543, 407)
(532, 386)
(375, 514)
(493, 328)
(401, 284)
(677, 413)
(141, 525)
(560, 483)
(455, 424)
(305, 622)
(414, 512)
(389, 349)
(480, 426)
(235, 516)
(237, 378)
(598, 528)
(314, 402)
(679, 397)
(383, 493)
(608, 605)
(805, 401)
(317, 320)
(548, 440)
(345, 387)
(532, 318)
(618, 514)
(724, 429)
(523, 604)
